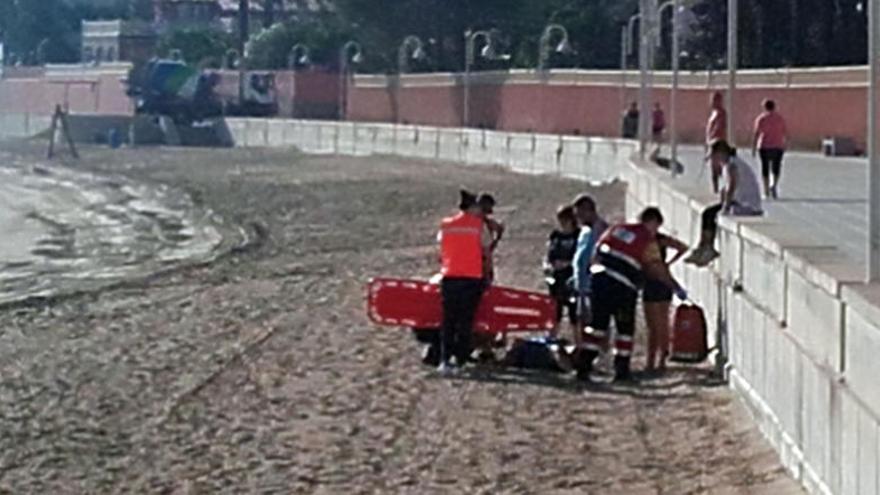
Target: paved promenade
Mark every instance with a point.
(825, 197)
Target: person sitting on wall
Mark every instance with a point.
(740, 195)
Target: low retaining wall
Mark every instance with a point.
(801, 335)
(590, 159)
(84, 128)
(22, 125)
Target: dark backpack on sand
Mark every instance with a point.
(539, 353)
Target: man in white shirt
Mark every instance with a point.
(740, 196)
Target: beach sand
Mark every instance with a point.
(259, 372)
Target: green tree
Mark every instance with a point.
(34, 21)
(204, 47)
(323, 35)
(140, 9)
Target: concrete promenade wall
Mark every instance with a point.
(590, 103)
(801, 334)
(23, 125)
(592, 159)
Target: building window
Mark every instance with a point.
(111, 54)
(88, 54)
(99, 54)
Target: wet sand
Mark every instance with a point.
(65, 229)
(259, 373)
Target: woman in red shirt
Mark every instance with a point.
(770, 141)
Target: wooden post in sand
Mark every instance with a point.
(60, 117)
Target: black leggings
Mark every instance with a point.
(461, 298)
(710, 218)
(771, 161)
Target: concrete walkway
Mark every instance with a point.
(825, 197)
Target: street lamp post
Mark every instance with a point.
(351, 53)
(411, 48)
(629, 48)
(732, 65)
(564, 45)
(488, 51)
(299, 55)
(873, 274)
(673, 95)
(624, 51)
(648, 10)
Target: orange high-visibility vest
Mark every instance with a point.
(461, 249)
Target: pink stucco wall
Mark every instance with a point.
(93, 94)
(812, 112)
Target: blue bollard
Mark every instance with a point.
(114, 138)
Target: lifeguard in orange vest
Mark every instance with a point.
(462, 255)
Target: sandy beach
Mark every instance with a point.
(256, 371)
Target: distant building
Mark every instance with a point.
(117, 40)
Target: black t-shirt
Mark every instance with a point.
(561, 246)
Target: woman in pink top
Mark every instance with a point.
(770, 140)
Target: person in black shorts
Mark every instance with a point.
(770, 140)
(559, 269)
(657, 299)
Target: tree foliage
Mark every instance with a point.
(204, 47)
(323, 35)
(779, 33)
(773, 33)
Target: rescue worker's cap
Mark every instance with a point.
(487, 203)
(467, 199)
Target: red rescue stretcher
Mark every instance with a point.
(416, 304)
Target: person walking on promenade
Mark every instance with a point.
(657, 298)
(770, 139)
(658, 124)
(462, 254)
(630, 126)
(716, 130)
(625, 255)
(741, 196)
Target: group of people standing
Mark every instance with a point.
(595, 273)
(769, 137)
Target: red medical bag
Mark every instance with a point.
(689, 335)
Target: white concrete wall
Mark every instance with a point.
(21, 125)
(800, 332)
(591, 159)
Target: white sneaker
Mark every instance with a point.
(446, 369)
